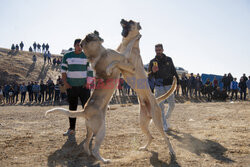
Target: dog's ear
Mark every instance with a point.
(96, 33)
(138, 26)
(123, 23)
(88, 38)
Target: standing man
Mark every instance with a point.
(248, 86)
(163, 70)
(75, 72)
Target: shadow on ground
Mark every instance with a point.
(154, 161)
(197, 146)
(71, 154)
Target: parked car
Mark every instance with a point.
(180, 70)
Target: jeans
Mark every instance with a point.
(160, 90)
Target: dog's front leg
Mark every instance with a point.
(128, 67)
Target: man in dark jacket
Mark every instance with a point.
(163, 70)
(29, 88)
(42, 91)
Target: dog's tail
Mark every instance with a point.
(67, 112)
(170, 91)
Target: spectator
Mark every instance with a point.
(163, 70)
(120, 86)
(47, 92)
(38, 47)
(51, 91)
(215, 83)
(248, 86)
(57, 92)
(29, 88)
(30, 49)
(17, 47)
(224, 81)
(34, 46)
(21, 45)
(62, 91)
(234, 88)
(75, 84)
(49, 57)
(229, 80)
(54, 61)
(42, 91)
(44, 57)
(1, 96)
(59, 79)
(198, 85)
(183, 83)
(47, 47)
(244, 78)
(127, 88)
(58, 62)
(6, 92)
(13, 47)
(16, 91)
(11, 95)
(34, 58)
(36, 90)
(208, 89)
(23, 90)
(43, 47)
(191, 83)
(243, 88)
(49, 81)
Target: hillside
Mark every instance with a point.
(18, 66)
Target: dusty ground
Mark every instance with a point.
(204, 134)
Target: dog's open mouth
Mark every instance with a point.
(126, 27)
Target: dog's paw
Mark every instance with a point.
(138, 36)
(108, 71)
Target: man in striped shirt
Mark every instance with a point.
(76, 71)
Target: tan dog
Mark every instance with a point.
(149, 105)
(95, 109)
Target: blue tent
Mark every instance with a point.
(211, 77)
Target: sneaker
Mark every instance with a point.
(166, 127)
(69, 132)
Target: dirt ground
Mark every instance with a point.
(203, 134)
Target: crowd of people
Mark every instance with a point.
(34, 92)
(193, 87)
(36, 47)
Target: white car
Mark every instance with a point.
(180, 70)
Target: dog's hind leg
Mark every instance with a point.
(88, 138)
(144, 123)
(157, 118)
(98, 141)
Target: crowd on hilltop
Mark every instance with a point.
(194, 87)
(36, 47)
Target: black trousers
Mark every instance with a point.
(73, 94)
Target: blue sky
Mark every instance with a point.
(203, 36)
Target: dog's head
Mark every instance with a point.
(91, 42)
(130, 28)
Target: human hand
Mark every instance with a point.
(155, 69)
